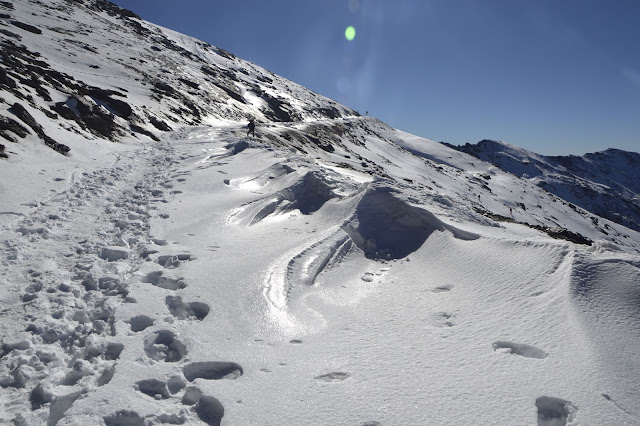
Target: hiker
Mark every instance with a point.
(252, 128)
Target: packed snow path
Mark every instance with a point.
(212, 278)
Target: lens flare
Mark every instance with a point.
(350, 33)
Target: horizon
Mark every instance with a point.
(554, 79)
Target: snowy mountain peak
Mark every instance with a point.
(605, 183)
(160, 265)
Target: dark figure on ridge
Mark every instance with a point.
(252, 128)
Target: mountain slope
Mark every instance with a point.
(605, 183)
(169, 269)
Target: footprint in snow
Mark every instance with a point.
(442, 288)
(157, 279)
(554, 411)
(336, 376)
(442, 319)
(212, 370)
(140, 323)
(174, 260)
(521, 349)
(163, 345)
(183, 311)
(154, 388)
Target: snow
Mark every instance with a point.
(213, 278)
(446, 327)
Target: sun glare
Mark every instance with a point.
(350, 33)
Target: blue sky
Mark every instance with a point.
(555, 77)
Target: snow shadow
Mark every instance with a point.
(554, 411)
(183, 311)
(521, 349)
(163, 345)
(607, 292)
(154, 388)
(387, 227)
(212, 370)
(209, 410)
(307, 195)
(157, 279)
(124, 418)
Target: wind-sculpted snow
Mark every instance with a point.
(385, 227)
(607, 290)
(204, 276)
(307, 194)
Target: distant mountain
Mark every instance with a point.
(605, 183)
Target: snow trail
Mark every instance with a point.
(71, 262)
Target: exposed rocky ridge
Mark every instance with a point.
(187, 85)
(605, 183)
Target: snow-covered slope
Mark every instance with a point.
(605, 183)
(169, 269)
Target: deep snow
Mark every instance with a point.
(214, 278)
(181, 283)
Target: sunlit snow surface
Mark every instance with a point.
(301, 321)
(212, 278)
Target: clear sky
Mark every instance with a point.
(552, 76)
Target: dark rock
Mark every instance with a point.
(64, 111)
(10, 34)
(27, 27)
(7, 124)
(189, 83)
(565, 234)
(230, 90)
(279, 110)
(99, 123)
(209, 71)
(19, 111)
(332, 112)
(79, 103)
(160, 125)
(144, 131)
(113, 10)
(225, 54)
(121, 108)
(163, 88)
